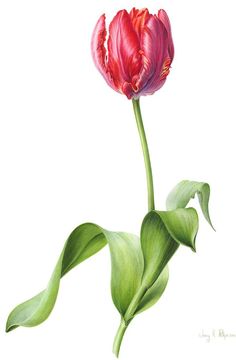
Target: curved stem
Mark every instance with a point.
(147, 161)
(119, 337)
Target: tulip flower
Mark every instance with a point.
(139, 51)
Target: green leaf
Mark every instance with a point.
(161, 234)
(127, 268)
(154, 293)
(127, 272)
(84, 241)
(182, 225)
(180, 196)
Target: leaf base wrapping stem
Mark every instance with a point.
(129, 315)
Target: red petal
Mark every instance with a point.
(98, 49)
(123, 49)
(139, 19)
(163, 17)
(154, 44)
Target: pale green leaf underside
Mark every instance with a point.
(180, 196)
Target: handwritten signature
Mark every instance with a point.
(208, 336)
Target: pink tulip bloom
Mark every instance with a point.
(138, 54)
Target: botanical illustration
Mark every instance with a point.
(134, 56)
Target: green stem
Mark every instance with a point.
(127, 319)
(151, 206)
(119, 337)
(147, 161)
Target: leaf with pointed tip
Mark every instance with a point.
(161, 234)
(180, 196)
(84, 241)
(182, 225)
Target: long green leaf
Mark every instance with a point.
(161, 234)
(84, 241)
(182, 193)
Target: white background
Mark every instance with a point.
(70, 153)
